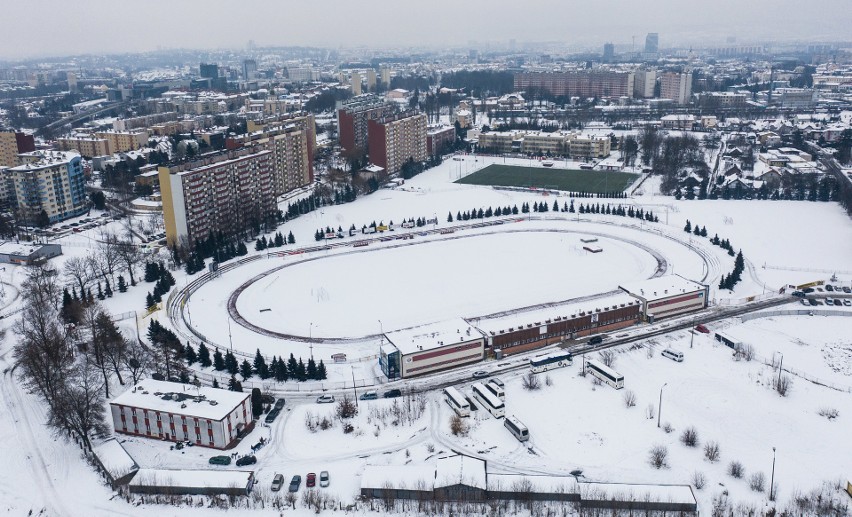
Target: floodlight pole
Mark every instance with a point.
(660, 407)
(772, 481)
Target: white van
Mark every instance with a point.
(674, 355)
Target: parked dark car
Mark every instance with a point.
(246, 460)
(829, 287)
(272, 415)
(279, 404)
(220, 460)
(596, 340)
(389, 394)
(295, 483)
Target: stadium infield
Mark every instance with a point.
(572, 180)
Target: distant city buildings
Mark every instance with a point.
(13, 143)
(652, 43)
(585, 84)
(608, 52)
(249, 69)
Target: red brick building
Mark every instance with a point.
(438, 138)
(352, 120)
(396, 140)
(586, 83)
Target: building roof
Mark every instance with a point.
(538, 484)
(21, 249)
(115, 459)
(215, 479)
(186, 399)
(408, 477)
(460, 470)
(661, 287)
(680, 494)
(433, 335)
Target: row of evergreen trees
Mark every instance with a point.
(276, 241)
(71, 301)
(636, 213)
(156, 272)
(277, 369)
(730, 280)
(601, 195)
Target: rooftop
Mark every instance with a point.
(410, 477)
(433, 335)
(21, 249)
(186, 399)
(115, 458)
(192, 478)
(460, 470)
(661, 287)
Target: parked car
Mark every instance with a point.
(847, 302)
(847, 290)
(805, 302)
(702, 329)
(311, 480)
(325, 399)
(829, 301)
(480, 374)
(389, 394)
(324, 481)
(829, 287)
(279, 404)
(272, 415)
(246, 460)
(277, 482)
(808, 290)
(498, 382)
(596, 340)
(369, 395)
(295, 483)
(799, 294)
(220, 460)
(812, 302)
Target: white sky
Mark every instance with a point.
(60, 27)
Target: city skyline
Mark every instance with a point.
(103, 27)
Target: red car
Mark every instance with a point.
(311, 480)
(702, 329)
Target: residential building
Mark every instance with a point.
(644, 82)
(352, 117)
(13, 143)
(47, 181)
(608, 52)
(684, 122)
(652, 43)
(144, 121)
(589, 146)
(722, 100)
(249, 69)
(586, 83)
(356, 83)
(397, 139)
(208, 71)
(371, 80)
(557, 143)
(385, 75)
(795, 98)
(292, 143)
(438, 138)
(229, 191)
(677, 87)
(87, 146)
(171, 411)
(123, 141)
(300, 74)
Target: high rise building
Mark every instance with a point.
(356, 83)
(209, 70)
(397, 139)
(371, 80)
(677, 87)
(47, 181)
(587, 83)
(87, 146)
(652, 43)
(13, 143)
(249, 69)
(230, 191)
(608, 52)
(352, 117)
(385, 73)
(123, 141)
(644, 82)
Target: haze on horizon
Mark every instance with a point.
(60, 28)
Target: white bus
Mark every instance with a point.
(496, 389)
(674, 355)
(550, 361)
(457, 401)
(488, 400)
(517, 428)
(605, 374)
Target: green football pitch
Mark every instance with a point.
(556, 179)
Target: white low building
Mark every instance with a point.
(209, 417)
(668, 295)
(431, 348)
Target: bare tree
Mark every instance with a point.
(77, 271)
(658, 456)
(698, 480)
(458, 426)
(689, 437)
(712, 451)
(106, 259)
(736, 469)
(129, 256)
(629, 398)
(607, 357)
(136, 360)
(757, 482)
(79, 407)
(531, 382)
(782, 384)
(107, 346)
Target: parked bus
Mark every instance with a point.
(517, 428)
(550, 361)
(674, 355)
(488, 400)
(496, 389)
(606, 374)
(457, 401)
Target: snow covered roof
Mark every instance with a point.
(115, 459)
(460, 470)
(215, 479)
(536, 484)
(681, 494)
(21, 249)
(433, 335)
(661, 287)
(184, 399)
(410, 477)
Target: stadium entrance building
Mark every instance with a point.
(669, 295)
(430, 348)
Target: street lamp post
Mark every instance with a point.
(354, 390)
(660, 407)
(230, 339)
(780, 367)
(772, 480)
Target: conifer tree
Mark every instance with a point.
(190, 355)
(204, 355)
(218, 361)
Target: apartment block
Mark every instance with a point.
(644, 82)
(123, 141)
(589, 146)
(87, 146)
(396, 139)
(677, 87)
(438, 138)
(586, 83)
(352, 118)
(13, 143)
(49, 181)
(229, 191)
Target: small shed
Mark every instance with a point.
(27, 254)
(192, 482)
(115, 463)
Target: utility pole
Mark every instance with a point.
(230, 339)
(772, 479)
(354, 391)
(780, 367)
(660, 407)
